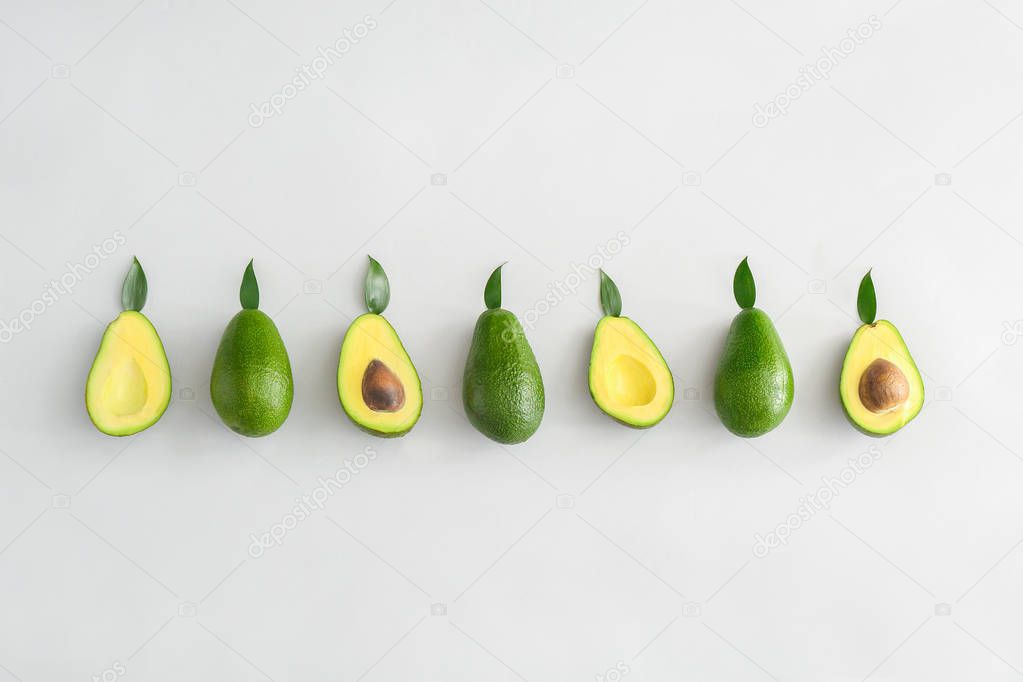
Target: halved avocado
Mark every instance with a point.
(881, 387)
(129, 385)
(377, 383)
(629, 379)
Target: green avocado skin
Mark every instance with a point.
(251, 385)
(753, 386)
(502, 389)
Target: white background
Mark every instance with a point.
(591, 546)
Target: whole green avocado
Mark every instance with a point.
(502, 390)
(251, 384)
(753, 386)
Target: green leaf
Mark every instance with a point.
(377, 290)
(743, 286)
(492, 292)
(249, 292)
(866, 300)
(610, 299)
(135, 288)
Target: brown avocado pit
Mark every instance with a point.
(381, 389)
(883, 386)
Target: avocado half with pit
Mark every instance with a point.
(377, 383)
(880, 386)
(129, 385)
(629, 379)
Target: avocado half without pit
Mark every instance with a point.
(880, 386)
(377, 383)
(753, 387)
(129, 385)
(629, 379)
(251, 384)
(502, 390)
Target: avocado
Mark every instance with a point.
(502, 390)
(129, 385)
(629, 379)
(753, 385)
(377, 383)
(251, 385)
(880, 385)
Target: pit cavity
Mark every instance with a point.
(125, 390)
(629, 382)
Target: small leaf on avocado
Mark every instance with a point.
(492, 292)
(377, 290)
(610, 298)
(743, 286)
(135, 288)
(249, 292)
(866, 300)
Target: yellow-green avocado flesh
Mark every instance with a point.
(129, 385)
(377, 383)
(895, 396)
(629, 379)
